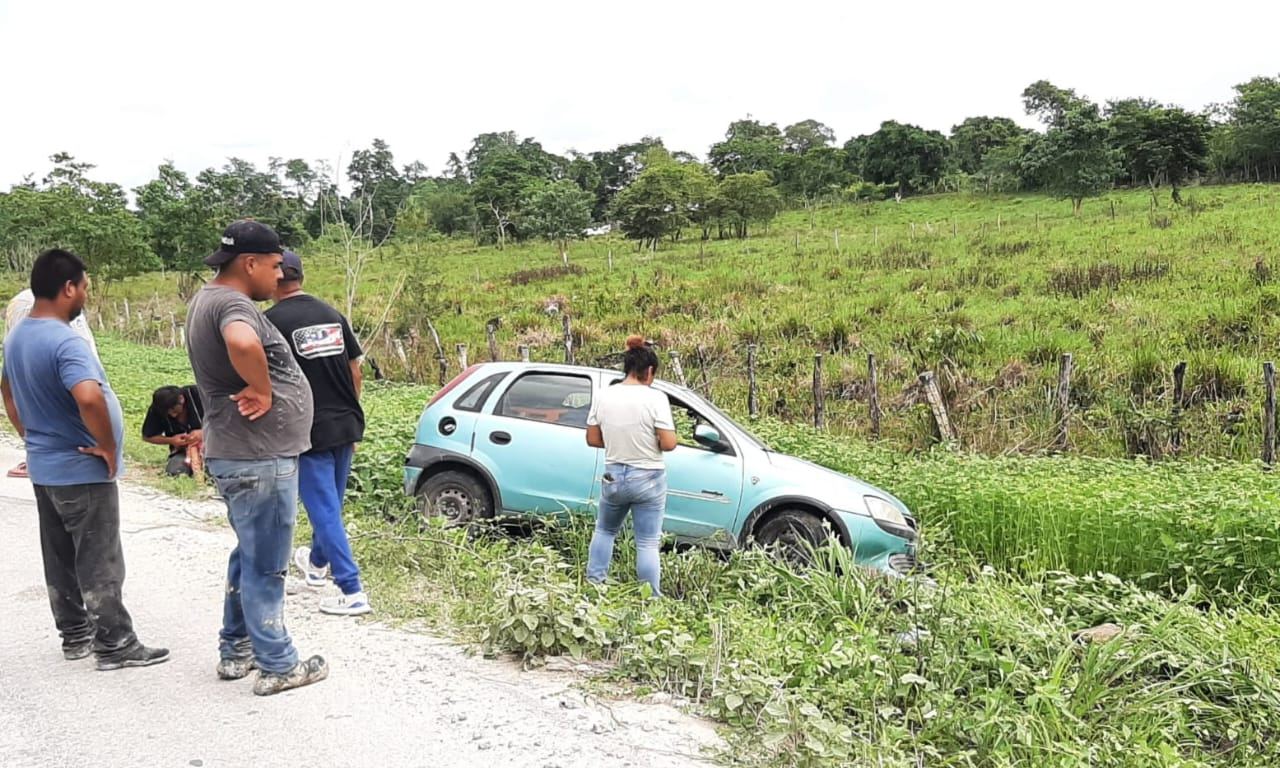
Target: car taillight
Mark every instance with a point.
(456, 381)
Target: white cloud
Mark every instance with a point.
(129, 84)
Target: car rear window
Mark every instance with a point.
(473, 399)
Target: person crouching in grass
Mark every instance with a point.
(175, 419)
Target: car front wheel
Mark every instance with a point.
(456, 496)
(793, 534)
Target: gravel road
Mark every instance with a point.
(393, 698)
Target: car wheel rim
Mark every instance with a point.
(453, 504)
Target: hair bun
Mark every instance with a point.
(635, 341)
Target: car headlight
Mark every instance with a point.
(884, 512)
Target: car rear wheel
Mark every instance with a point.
(456, 496)
(792, 535)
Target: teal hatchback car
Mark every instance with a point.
(509, 439)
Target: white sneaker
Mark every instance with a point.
(313, 577)
(347, 605)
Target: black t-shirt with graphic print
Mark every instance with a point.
(324, 346)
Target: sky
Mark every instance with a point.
(129, 84)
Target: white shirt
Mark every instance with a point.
(20, 306)
(627, 415)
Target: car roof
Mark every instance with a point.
(534, 365)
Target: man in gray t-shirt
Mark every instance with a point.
(258, 412)
(285, 428)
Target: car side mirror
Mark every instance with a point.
(708, 436)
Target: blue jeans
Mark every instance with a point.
(643, 492)
(262, 505)
(322, 482)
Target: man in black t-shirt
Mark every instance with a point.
(176, 419)
(329, 355)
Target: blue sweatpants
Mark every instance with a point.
(322, 482)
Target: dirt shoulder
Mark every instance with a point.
(393, 698)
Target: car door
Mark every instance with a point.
(704, 487)
(534, 440)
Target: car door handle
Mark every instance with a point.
(501, 438)
(712, 493)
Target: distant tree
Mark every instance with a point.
(1049, 103)
(70, 210)
(504, 171)
(1158, 145)
(618, 169)
(808, 176)
(748, 198)
(560, 212)
(1072, 159)
(181, 219)
(806, 135)
(976, 137)
(582, 171)
(667, 197)
(1254, 130)
(905, 155)
(748, 146)
(378, 189)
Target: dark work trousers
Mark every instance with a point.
(84, 566)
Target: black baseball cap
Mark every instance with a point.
(291, 266)
(247, 236)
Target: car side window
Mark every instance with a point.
(555, 398)
(686, 420)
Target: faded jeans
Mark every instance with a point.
(262, 506)
(643, 492)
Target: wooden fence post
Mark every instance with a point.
(524, 353)
(491, 330)
(819, 406)
(399, 347)
(462, 356)
(182, 334)
(1175, 420)
(610, 259)
(1064, 400)
(873, 383)
(440, 358)
(934, 396)
(678, 368)
(1269, 414)
(173, 330)
(837, 238)
(753, 403)
(128, 319)
(706, 382)
(568, 340)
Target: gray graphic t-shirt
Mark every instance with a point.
(285, 430)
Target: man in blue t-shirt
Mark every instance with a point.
(57, 397)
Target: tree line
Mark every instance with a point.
(506, 188)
